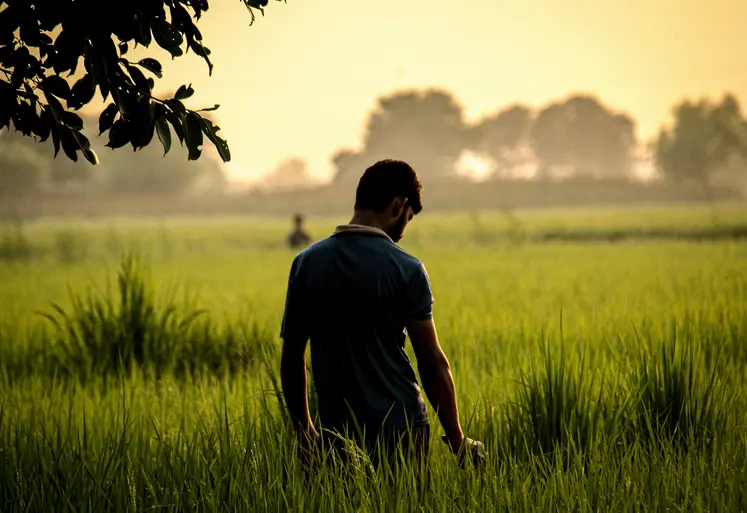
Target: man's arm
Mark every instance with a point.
(435, 374)
(295, 391)
(295, 334)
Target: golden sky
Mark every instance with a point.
(302, 79)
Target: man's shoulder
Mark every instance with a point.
(405, 257)
(314, 247)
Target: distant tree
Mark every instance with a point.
(349, 166)
(704, 138)
(424, 128)
(289, 174)
(43, 42)
(502, 136)
(583, 135)
(150, 172)
(23, 169)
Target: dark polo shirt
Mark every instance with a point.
(351, 295)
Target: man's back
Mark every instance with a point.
(352, 294)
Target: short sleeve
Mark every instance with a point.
(419, 295)
(294, 324)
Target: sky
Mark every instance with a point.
(301, 81)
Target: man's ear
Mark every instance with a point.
(397, 206)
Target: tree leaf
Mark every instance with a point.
(142, 30)
(176, 123)
(119, 135)
(30, 32)
(55, 107)
(10, 21)
(211, 131)
(82, 92)
(57, 86)
(43, 131)
(184, 92)
(106, 119)
(209, 109)
(69, 144)
(144, 123)
(137, 76)
(104, 89)
(199, 5)
(204, 52)
(193, 136)
(153, 66)
(167, 37)
(55, 129)
(181, 19)
(72, 120)
(91, 156)
(68, 46)
(82, 140)
(164, 134)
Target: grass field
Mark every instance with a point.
(601, 376)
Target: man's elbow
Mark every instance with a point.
(434, 365)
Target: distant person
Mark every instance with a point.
(352, 295)
(299, 237)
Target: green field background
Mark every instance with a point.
(512, 304)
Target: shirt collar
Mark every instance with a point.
(360, 228)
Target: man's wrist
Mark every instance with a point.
(455, 441)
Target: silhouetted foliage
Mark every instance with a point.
(583, 135)
(28, 167)
(502, 137)
(44, 42)
(426, 129)
(580, 136)
(705, 137)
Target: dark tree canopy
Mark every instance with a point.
(501, 136)
(583, 134)
(55, 55)
(424, 128)
(705, 136)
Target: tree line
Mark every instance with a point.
(57, 55)
(578, 137)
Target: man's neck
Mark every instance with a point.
(366, 218)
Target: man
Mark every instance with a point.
(353, 295)
(299, 237)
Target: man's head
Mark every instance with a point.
(390, 190)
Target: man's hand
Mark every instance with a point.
(468, 450)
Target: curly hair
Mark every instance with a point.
(385, 180)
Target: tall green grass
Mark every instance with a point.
(133, 327)
(138, 396)
(679, 398)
